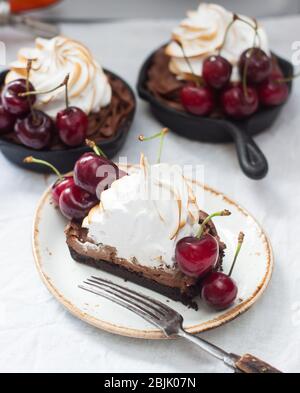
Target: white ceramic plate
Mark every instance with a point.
(62, 275)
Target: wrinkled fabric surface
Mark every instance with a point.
(38, 335)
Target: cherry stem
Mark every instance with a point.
(36, 92)
(238, 249)
(32, 160)
(160, 135)
(256, 35)
(66, 81)
(288, 79)
(28, 69)
(196, 77)
(208, 218)
(95, 147)
(235, 17)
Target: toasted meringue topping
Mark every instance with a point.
(144, 214)
(202, 34)
(88, 86)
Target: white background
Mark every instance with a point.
(37, 334)
(165, 8)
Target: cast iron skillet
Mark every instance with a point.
(206, 129)
(65, 159)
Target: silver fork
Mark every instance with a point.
(171, 323)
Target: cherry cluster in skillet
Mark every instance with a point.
(262, 83)
(76, 194)
(34, 128)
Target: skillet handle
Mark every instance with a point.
(251, 158)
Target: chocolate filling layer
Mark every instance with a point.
(170, 282)
(104, 124)
(162, 83)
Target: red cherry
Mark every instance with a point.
(75, 203)
(35, 130)
(72, 125)
(272, 92)
(236, 105)
(7, 121)
(197, 100)
(59, 186)
(257, 65)
(95, 173)
(219, 290)
(217, 71)
(13, 102)
(197, 257)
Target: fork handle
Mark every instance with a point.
(246, 364)
(250, 364)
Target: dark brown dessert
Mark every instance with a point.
(171, 283)
(162, 83)
(103, 125)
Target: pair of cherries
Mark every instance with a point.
(76, 195)
(262, 83)
(198, 256)
(33, 127)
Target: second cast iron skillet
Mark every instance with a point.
(206, 129)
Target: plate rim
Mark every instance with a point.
(228, 316)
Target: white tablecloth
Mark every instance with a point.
(38, 335)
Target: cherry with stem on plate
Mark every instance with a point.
(196, 98)
(238, 105)
(219, 290)
(198, 255)
(61, 183)
(94, 172)
(72, 123)
(75, 203)
(12, 97)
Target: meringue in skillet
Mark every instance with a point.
(89, 88)
(202, 34)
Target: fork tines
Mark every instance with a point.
(150, 309)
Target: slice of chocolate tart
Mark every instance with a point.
(168, 281)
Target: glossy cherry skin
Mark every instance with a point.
(272, 92)
(216, 71)
(35, 131)
(219, 290)
(7, 121)
(95, 173)
(236, 105)
(75, 203)
(197, 257)
(257, 63)
(197, 100)
(72, 125)
(59, 186)
(12, 102)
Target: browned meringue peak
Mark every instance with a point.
(157, 207)
(89, 88)
(202, 33)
